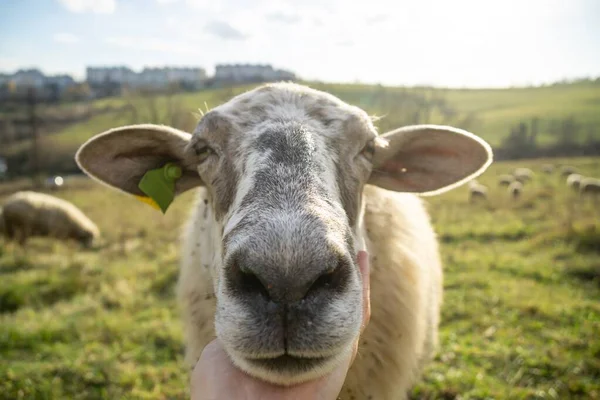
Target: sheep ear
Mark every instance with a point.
(120, 157)
(428, 159)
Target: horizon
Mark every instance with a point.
(496, 45)
(301, 80)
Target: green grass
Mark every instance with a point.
(521, 314)
(522, 289)
(492, 111)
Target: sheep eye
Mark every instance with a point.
(369, 150)
(203, 152)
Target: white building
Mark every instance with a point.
(28, 78)
(148, 77)
(101, 75)
(189, 75)
(24, 79)
(61, 81)
(250, 72)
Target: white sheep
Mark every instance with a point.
(29, 214)
(567, 170)
(477, 191)
(505, 180)
(294, 183)
(547, 168)
(515, 189)
(574, 181)
(523, 174)
(589, 186)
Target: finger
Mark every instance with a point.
(202, 377)
(363, 264)
(215, 378)
(354, 350)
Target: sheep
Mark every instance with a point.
(292, 182)
(589, 186)
(29, 214)
(547, 168)
(567, 170)
(515, 189)
(477, 191)
(523, 174)
(505, 180)
(574, 181)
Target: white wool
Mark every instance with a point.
(37, 214)
(406, 291)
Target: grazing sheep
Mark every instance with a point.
(515, 189)
(568, 170)
(574, 180)
(523, 174)
(477, 191)
(547, 168)
(589, 186)
(505, 180)
(28, 214)
(292, 186)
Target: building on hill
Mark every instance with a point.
(250, 73)
(97, 76)
(46, 87)
(116, 78)
(28, 78)
(112, 80)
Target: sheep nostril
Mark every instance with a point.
(253, 280)
(331, 280)
(250, 283)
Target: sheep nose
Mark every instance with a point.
(287, 285)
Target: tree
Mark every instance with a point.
(565, 130)
(533, 132)
(147, 106)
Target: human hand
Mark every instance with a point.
(215, 377)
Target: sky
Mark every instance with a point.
(453, 43)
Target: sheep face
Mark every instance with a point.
(284, 167)
(288, 245)
(86, 238)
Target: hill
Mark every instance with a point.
(490, 113)
(495, 111)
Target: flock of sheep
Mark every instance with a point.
(515, 182)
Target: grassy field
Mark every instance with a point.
(521, 318)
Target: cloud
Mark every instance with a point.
(345, 43)
(153, 44)
(283, 18)
(375, 19)
(93, 6)
(224, 30)
(166, 1)
(64, 37)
